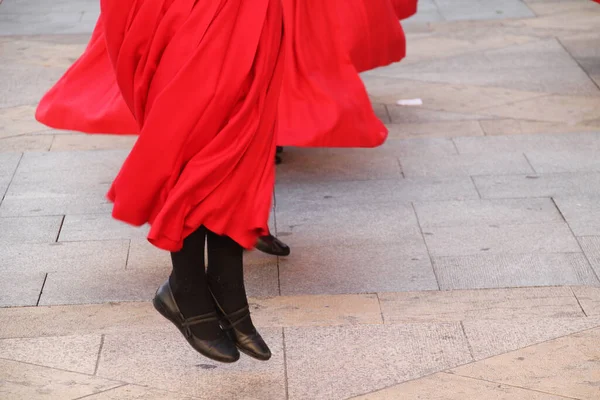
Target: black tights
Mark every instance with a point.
(225, 278)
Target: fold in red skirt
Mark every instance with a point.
(204, 83)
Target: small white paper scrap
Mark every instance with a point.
(410, 102)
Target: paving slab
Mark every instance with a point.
(140, 358)
(302, 195)
(490, 338)
(512, 127)
(589, 299)
(8, 166)
(513, 270)
(483, 9)
(325, 165)
(445, 386)
(468, 305)
(546, 185)
(33, 24)
(582, 213)
(15, 121)
(464, 165)
(40, 186)
(487, 212)
(547, 143)
(434, 129)
(92, 142)
(326, 225)
(78, 257)
(339, 362)
(418, 115)
(566, 366)
(26, 143)
(354, 269)
(20, 288)
(20, 381)
(500, 239)
(416, 146)
(583, 160)
(29, 229)
(591, 248)
(68, 353)
(82, 227)
(100, 287)
(133, 392)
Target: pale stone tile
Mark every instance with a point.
(133, 392)
(591, 248)
(434, 129)
(546, 162)
(144, 256)
(567, 366)
(92, 142)
(42, 51)
(582, 21)
(26, 143)
(20, 381)
(548, 185)
(497, 239)
(83, 227)
(418, 115)
(490, 338)
(418, 146)
(340, 362)
(550, 108)
(518, 270)
(487, 212)
(465, 165)
(85, 319)
(546, 7)
(141, 357)
(66, 257)
(17, 120)
(99, 287)
(382, 113)
(338, 269)
(24, 84)
(552, 143)
(324, 165)
(491, 304)
(316, 310)
(582, 213)
(497, 127)
(455, 10)
(384, 86)
(69, 353)
(58, 183)
(589, 299)
(20, 287)
(51, 23)
(445, 386)
(29, 229)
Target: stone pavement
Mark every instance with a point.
(460, 260)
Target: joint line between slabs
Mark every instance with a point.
(577, 62)
(380, 309)
(102, 391)
(12, 178)
(530, 164)
(62, 222)
(42, 290)
(285, 367)
(476, 188)
(437, 280)
(464, 331)
(578, 302)
(99, 354)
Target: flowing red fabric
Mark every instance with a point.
(203, 84)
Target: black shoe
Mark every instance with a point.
(221, 349)
(279, 149)
(251, 344)
(271, 245)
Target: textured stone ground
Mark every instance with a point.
(460, 260)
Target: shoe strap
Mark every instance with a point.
(200, 319)
(239, 316)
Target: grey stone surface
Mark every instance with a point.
(69, 353)
(487, 212)
(489, 338)
(582, 213)
(351, 225)
(325, 165)
(464, 165)
(98, 227)
(415, 115)
(591, 248)
(564, 161)
(338, 362)
(24, 84)
(419, 147)
(100, 286)
(427, 12)
(20, 288)
(454, 10)
(547, 185)
(164, 360)
(567, 143)
(62, 183)
(29, 229)
(56, 23)
(369, 268)
(134, 392)
(8, 166)
(47, 384)
(497, 239)
(520, 270)
(82, 257)
(589, 299)
(292, 196)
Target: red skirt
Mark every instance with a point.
(204, 83)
